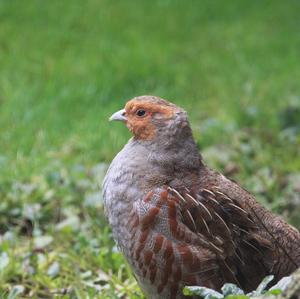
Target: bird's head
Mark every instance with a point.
(150, 117)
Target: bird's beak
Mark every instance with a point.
(119, 115)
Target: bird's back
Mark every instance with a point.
(284, 239)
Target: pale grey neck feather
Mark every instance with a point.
(149, 164)
(143, 165)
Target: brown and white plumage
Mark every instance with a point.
(179, 223)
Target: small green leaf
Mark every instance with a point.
(54, 269)
(237, 297)
(4, 260)
(204, 292)
(16, 290)
(42, 241)
(274, 292)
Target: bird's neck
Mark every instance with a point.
(163, 160)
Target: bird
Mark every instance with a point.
(180, 223)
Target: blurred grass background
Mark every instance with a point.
(66, 66)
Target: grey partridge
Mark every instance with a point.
(180, 223)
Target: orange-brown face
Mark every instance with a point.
(139, 115)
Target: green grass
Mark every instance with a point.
(66, 66)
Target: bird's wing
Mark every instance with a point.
(244, 256)
(200, 239)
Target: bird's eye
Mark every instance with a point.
(140, 112)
